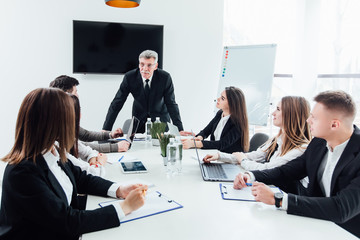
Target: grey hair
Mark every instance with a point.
(149, 54)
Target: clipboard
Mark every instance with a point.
(155, 203)
(229, 193)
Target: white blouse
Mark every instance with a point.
(220, 127)
(60, 175)
(66, 185)
(255, 160)
(98, 170)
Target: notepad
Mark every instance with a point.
(155, 203)
(229, 193)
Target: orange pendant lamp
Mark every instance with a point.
(123, 3)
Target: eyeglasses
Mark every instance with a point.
(142, 65)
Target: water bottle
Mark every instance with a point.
(171, 154)
(179, 152)
(157, 120)
(148, 125)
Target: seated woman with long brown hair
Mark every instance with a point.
(229, 129)
(40, 186)
(290, 116)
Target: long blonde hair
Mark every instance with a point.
(296, 131)
(46, 115)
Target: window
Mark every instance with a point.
(318, 47)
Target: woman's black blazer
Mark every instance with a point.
(230, 139)
(34, 205)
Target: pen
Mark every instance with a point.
(121, 158)
(249, 184)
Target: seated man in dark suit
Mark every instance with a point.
(331, 161)
(153, 93)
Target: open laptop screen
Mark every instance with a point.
(132, 129)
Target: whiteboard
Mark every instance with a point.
(250, 68)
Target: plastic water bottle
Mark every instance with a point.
(179, 152)
(157, 120)
(171, 154)
(148, 126)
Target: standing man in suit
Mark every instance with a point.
(331, 161)
(153, 93)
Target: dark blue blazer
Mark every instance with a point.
(343, 205)
(161, 100)
(34, 205)
(230, 139)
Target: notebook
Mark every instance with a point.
(223, 172)
(229, 193)
(155, 203)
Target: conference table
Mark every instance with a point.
(205, 215)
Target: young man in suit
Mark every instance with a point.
(331, 161)
(153, 93)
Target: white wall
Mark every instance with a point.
(36, 47)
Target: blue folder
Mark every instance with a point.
(155, 203)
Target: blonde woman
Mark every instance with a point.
(291, 141)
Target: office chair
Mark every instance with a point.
(257, 140)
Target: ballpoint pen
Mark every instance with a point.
(121, 158)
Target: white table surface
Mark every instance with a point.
(205, 214)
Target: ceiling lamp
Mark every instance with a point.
(123, 3)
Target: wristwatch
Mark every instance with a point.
(278, 198)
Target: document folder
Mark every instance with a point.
(155, 203)
(229, 193)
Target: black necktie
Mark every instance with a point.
(147, 92)
(147, 89)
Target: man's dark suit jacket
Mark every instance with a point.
(34, 205)
(230, 139)
(343, 205)
(161, 100)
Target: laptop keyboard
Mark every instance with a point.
(215, 171)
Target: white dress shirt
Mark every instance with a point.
(331, 157)
(65, 183)
(220, 127)
(144, 80)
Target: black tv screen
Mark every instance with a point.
(113, 48)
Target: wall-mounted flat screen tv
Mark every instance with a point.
(113, 48)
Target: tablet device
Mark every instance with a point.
(133, 167)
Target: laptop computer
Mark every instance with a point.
(130, 134)
(173, 129)
(221, 172)
(132, 129)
